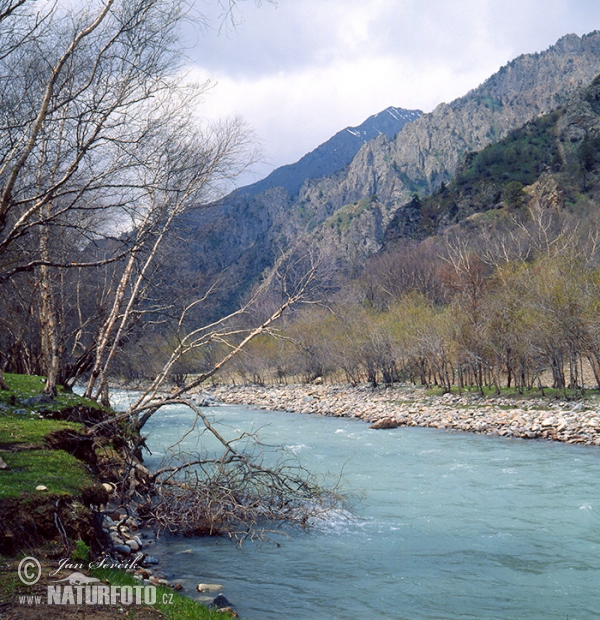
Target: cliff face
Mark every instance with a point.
(246, 231)
(428, 151)
(550, 164)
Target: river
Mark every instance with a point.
(444, 525)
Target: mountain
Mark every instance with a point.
(428, 151)
(241, 235)
(334, 154)
(349, 211)
(552, 161)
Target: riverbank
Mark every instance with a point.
(573, 422)
(63, 500)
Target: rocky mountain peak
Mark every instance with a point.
(335, 153)
(346, 191)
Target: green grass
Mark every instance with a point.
(21, 387)
(27, 468)
(17, 430)
(10, 584)
(175, 605)
(57, 470)
(513, 393)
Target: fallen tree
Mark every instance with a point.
(241, 492)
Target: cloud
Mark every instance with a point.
(300, 70)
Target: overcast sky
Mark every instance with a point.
(298, 71)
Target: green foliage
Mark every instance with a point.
(10, 583)
(593, 95)
(523, 324)
(513, 194)
(307, 215)
(81, 552)
(522, 156)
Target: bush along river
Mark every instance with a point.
(444, 525)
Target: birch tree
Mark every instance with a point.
(92, 103)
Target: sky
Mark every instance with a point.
(298, 71)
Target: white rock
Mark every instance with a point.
(208, 587)
(133, 545)
(41, 487)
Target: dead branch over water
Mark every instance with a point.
(241, 492)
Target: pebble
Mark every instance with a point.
(410, 406)
(127, 541)
(133, 545)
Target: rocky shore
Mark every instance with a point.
(130, 548)
(574, 422)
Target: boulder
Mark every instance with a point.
(150, 560)
(223, 606)
(385, 423)
(209, 587)
(32, 401)
(132, 544)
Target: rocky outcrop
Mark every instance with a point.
(245, 234)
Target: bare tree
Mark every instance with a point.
(92, 109)
(293, 287)
(180, 174)
(238, 492)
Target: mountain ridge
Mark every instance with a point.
(428, 151)
(333, 154)
(348, 212)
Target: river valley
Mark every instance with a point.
(443, 525)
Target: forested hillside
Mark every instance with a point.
(347, 213)
(492, 281)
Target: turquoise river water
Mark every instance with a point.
(444, 525)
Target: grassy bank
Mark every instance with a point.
(45, 477)
(50, 477)
(172, 605)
